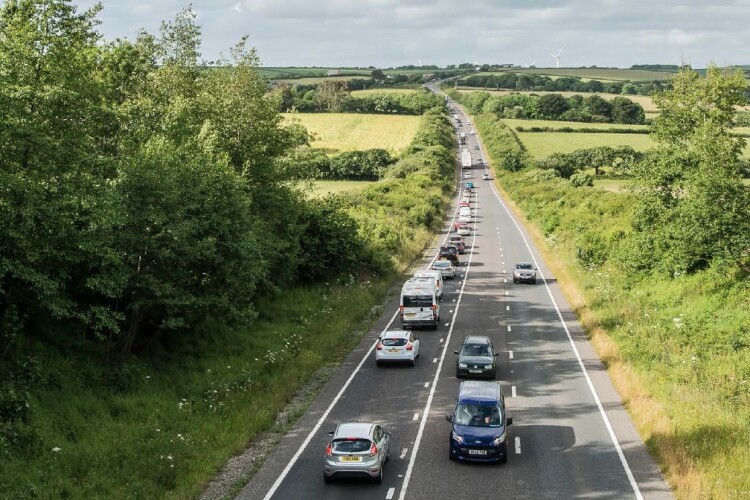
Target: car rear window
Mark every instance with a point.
(393, 342)
(417, 300)
(351, 445)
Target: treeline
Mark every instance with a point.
(538, 83)
(576, 108)
(335, 96)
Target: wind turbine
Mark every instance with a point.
(557, 57)
(420, 62)
(528, 65)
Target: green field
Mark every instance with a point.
(602, 74)
(645, 101)
(324, 188)
(513, 123)
(338, 132)
(542, 144)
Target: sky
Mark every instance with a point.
(389, 33)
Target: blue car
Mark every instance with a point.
(470, 185)
(479, 425)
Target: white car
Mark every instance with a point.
(486, 177)
(467, 175)
(464, 211)
(397, 346)
(464, 231)
(445, 266)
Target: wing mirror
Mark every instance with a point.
(509, 421)
(330, 433)
(455, 352)
(449, 417)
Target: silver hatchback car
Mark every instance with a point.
(356, 449)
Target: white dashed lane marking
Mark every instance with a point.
(510, 354)
(518, 445)
(391, 492)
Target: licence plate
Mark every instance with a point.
(475, 371)
(410, 315)
(477, 452)
(394, 350)
(351, 459)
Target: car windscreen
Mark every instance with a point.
(417, 300)
(475, 350)
(478, 415)
(524, 266)
(350, 445)
(391, 342)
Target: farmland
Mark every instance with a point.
(402, 90)
(338, 132)
(323, 188)
(542, 144)
(556, 124)
(601, 74)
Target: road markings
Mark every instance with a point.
(586, 376)
(518, 445)
(507, 292)
(416, 416)
(513, 391)
(403, 453)
(447, 324)
(427, 384)
(441, 340)
(428, 405)
(434, 360)
(508, 327)
(505, 280)
(507, 308)
(450, 312)
(510, 354)
(391, 492)
(323, 417)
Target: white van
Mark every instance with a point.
(436, 276)
(419, 304)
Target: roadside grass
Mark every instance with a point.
(324, 188)
(613, 185)
(339, 132)
(676, 348)
(543, 144)
(155, 433)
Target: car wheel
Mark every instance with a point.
(450, 456)
(493, 375)
(533, 282)
(504, 459)
(515, 281)
(379, 477)
(377, 362)
(327, 480)
(414, 361)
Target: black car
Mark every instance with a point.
(449, 252)
(476, 358)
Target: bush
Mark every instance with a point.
(581, 179)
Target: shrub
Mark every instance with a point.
(581, 179)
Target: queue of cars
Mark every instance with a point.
(479, 421)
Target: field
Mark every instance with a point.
(338, 132)
(314, 80)
(574, 125)
(323, 188)
(542, 144)
(602, 74)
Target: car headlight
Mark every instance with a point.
(487, 367)
(499, 440)
(457, 437)
(462, 365)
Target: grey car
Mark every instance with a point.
(524, 272)
(476, 358)
(356, 449)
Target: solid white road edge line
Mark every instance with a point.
(599, 405)
(426, 412)
(323, 417)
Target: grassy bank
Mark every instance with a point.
(164, 425)
(677, 348)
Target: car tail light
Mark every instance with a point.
(409, 346)
(379, 347)
(329, 450)
(373, 450)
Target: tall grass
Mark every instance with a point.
(167, 424)
(677, 348)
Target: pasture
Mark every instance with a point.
(601, 74)
(556, 124)
(543, 144)
(645, 101)
(400, 90)
(339, 132)
(324, 188)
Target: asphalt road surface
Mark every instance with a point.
(570, 436)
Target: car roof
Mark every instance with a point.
(524, 264)
(443, 262)
(477, 339)
(480, 391)
(353, 429)
(427, 273)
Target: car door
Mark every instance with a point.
(415, 342)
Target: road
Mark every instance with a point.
(570, 438)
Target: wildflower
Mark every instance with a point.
(169, 457)
(56, 449)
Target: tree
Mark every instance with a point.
(598, 107)
(693, 202)
(551, 106)
(377, 74)
(626, 111)
(331, 95)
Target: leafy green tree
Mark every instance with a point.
(598, 107)
(626, 111)
(693, 203)
(331, 95)
(551, 106)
